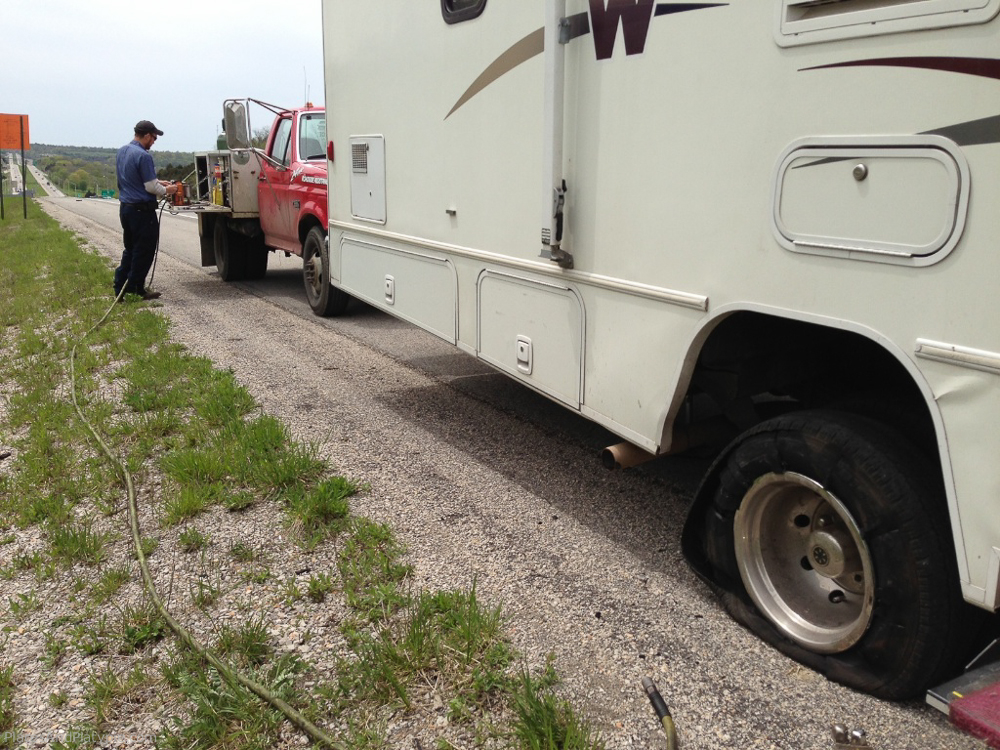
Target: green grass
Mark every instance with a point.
(107, 690)
(192, 540)
(109, 583)
(319, 586)
(182, 423)
(139, 627)
(76, 542)
(21, 605)
(8, 716)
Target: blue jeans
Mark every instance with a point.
(140, 233)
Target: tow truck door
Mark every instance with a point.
(275, 199)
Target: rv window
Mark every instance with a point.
(455, 11)
(805, 21)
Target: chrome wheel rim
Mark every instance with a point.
(804, 562)
(314, 275)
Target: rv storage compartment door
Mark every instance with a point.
(414, 286)
(533, 331)
(899, 204)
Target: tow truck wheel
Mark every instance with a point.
(324, 299)
(836, 550)
(228, 256)
(256, 257)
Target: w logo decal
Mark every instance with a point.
(634, 16)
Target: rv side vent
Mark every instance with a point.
(807, 21)
(359, 158)
(368, 178)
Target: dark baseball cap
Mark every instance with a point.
(145, 126)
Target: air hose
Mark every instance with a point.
(662, 712)
(231, 676)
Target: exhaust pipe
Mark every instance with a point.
(624, 456)
(717, 430)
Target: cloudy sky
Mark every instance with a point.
(85, 71)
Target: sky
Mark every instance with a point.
(86, 71)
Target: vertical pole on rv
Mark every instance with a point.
(552, 152)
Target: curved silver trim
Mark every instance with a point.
(673, 297)
(963, 356)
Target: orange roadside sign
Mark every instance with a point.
(11, 133)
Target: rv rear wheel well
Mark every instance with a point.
(753, 366)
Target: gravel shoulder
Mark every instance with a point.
(585, 563)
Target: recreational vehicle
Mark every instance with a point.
(765, 226)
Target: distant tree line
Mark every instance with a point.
(85, 170)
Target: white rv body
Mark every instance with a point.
(835, 164)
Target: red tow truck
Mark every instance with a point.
(251, 202)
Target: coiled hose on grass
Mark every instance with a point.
(229, 674)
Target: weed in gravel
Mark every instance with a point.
(107, 690)
(242, 552)
(22, 605)
(109, 582)
(543, 721)
(205, 594)
(247, 644)
(77, 542)
(258, 455)
(148, 545)
(237, 501)
(370, 567)
(221, 399)
(54, 651)
(23, 561)
(192, 540)
(79, 736)
(45, 570)
(188, 502)
(257, 575)
(320, 512)
(37, 505)
(292, 591)
(8, 716)
(58, 699)
(225, 716)
(20, 563)
(367, 737)
(91, 640)
(319, 586)
(139, 626)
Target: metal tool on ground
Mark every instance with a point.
(848, 739)
(662, 712)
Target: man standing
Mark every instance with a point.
(138, 191)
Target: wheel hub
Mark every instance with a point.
(313, 270)
(804, 562)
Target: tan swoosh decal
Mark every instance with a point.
(522, 51)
